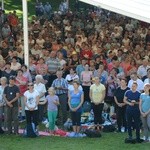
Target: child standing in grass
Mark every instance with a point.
(53, 102)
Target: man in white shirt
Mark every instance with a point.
(134, 78)
(147, 80)
(142, 70)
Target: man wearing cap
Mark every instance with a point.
(11, 95)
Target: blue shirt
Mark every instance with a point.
(60, 83)
(79, 69)
(75, 99)
(1, 95)
(132, 96)
(102, 80)
(145, 102)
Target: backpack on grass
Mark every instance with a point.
(92, 133)
(86, 106)
(109, 128)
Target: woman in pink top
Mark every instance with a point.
(126, 64)
(86, 77)
(21, 82)
(40, 65)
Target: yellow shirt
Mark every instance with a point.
(97, 93)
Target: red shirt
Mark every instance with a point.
(86, 54)
(22, 88)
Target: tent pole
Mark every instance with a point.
(25, 32)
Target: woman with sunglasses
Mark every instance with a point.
(31, 100)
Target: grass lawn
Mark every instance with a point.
(108, 141)
(11, 5)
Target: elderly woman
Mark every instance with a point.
(3, 81)
(40, 87)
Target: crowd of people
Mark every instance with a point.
(95, 56)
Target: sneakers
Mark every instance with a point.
(133, 141)
(45, 121)
(123, 129)
(22, 119)
(130, 140)
(139, 140)
(76, 135)
(146, 141)
(72, 134)
(80, 135)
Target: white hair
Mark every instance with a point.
(4, 79)
(39, 77)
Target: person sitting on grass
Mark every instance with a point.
(52, 109)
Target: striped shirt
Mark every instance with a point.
(60, 83)
(53, 65)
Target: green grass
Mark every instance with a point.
(108, 141)
(11, 5)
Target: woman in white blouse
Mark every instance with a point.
(31, 100)
(41, 89)
(72, 75)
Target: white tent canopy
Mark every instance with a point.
(138, 9)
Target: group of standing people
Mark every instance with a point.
(132, 107)
(89, 49)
